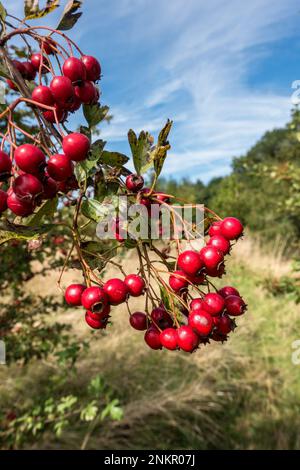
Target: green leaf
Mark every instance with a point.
(94, 210)
(89, 413)
(113, 158)
(94, 113)
(164, 297)
(96, 149)
(86, 131)
(47, 209)
(9, 231)
(159, 153)
(33, 11)
(100, 188)
(4, 72)
(140, 148)
(70, 15)
(2, 19)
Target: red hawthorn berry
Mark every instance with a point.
(228, 290)
(213, 303)
(20, 67)
(220, 242)
(231, 228)
(29, 71)
(50, 188)
(134, 182)
(49, 46)
(216, 272)
(60, 167)
(12, 85)
(3, 201)
(76, 105)
(196, 304)
(27, 187)
(42, 94)
(196, 280)
(29, 158)
(161, 197)
(178, 281)
(235, 305)
(73, 294)
(138, 321)
(76, 146)
(63, 91)
(152, 338)
(187, 339)
(95, 324)
(86, 92)
(61, 114)
(94, 299)
(224, 325)
(116, 291)
(201, 322)
(216, 336)
(190, 262)
(21, 208)
(211, 257)
(215, 229)
(74, 69)
(5, 164)
(135, 285)
(103, 316)
(161, 318)
(38, 60)
(168, 339)
(92, 66)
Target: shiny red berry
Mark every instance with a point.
(215, 229)
(134, 182)
(231, 228)
(19, 207)
(224, 325)
(188, 340)
(3, 201)
(5, 165)
(73, 294)
(94, 299)
(135, 284)
(213, 303)
(218, 271)
(29, 71)
(74, 69)
(96, 324)
(12, 85)
(42, 94)
(86, 92)
(211, 257)
(178, 281)
(19, 66)
(102, 316)
(235, 305)
(169, 339)
(61, 114)
(198, 279)
(116, 290)
(161, 318)
(220, 242)
(196, 304)
(29, 158)
(49, 46)
(27, 187)
(228, 290)
(37, 60)
(60, 167)
(138, 321)
(76, 146)
(92, 66)
(50, 188)
(63, 91)
(190, 262)
(201, 322)
(152, 338)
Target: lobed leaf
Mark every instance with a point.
(70, 15)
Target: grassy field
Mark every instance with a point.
(241, 395)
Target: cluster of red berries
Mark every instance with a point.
(36, 179)
(97, 301)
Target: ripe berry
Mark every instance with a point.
(37, 60)
(74, 69)
(187, 339)
(231, 228)
(29, 158)
(73, 294)
(190, 262)
(235, 305)
(201, 322)
(219, 271)
(215, 229)
(216, 336)
(138, 321)
(5, 165)
(152, 338)
(224, 325)
(161, 198)
(50, 188)
(168, 338)
(29, 71)
(76, 105)
(94, 299)
(95, 324)
(178, 281)
(12, 85)
(228, 290)
(76, 146)
(3, 201)
(104, 315)
(211, 257)
(27, 187)
(213, 303)
(63, 91)
(135, 284)
(116, 290)
(86, 92)
(196, 280)
(134, 182)
(220, 243)
(92, 66)
(42, 94)
(61, 114)
(49, 46)
(161, 318)
(18, 207)
(60, 167)
(19, 66)
(196, 304)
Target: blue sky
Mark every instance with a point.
(222, 70)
